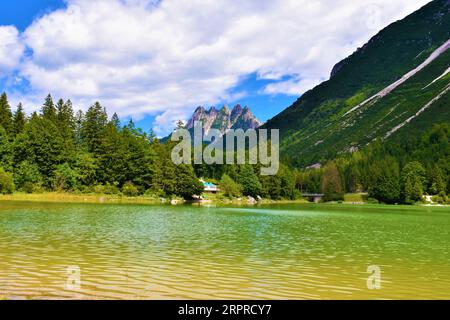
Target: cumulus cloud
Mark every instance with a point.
(164, 58)
(11, 49)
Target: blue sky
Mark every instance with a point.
(21, 13)
(156, 61)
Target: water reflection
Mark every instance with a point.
(279, 252)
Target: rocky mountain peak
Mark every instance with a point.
(224, 119)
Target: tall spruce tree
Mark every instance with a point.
(48, 109)
(93, 127)
(5, 113)
(19, 120)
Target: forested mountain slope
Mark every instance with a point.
(396, 86)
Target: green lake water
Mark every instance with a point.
(187, 252)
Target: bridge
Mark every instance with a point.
(313, 197)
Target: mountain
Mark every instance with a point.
(394, 87)
(224, 119)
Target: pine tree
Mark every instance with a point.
(384, 180)
(93, 127)
(5, 113)
(115, 121)
(48, 109)
(19, 120)
(437, 182)
(251, 186)
(412, 182)
(331, 183)
(66, 118)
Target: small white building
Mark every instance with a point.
(209, 187)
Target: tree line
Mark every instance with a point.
(57, 149)
(391, 172)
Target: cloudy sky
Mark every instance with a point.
(157, 60)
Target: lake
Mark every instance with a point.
(87, 251)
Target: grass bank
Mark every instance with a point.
(120, 199)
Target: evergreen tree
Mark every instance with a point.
(5, 113)
(187, 184)
(6, 160)
(40, 143)
(66, 118)
(48, 109)
(93, 128)
(332, 183)
(19, 120)
(27, 177)
(385, 181)
(412, 182)
(437, 182)
(115, 121)
(251, 186)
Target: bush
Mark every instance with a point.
(155, 194)
(230, 188)
(251, 186)
(64, 178)
(7, 185)
(110, 189)
(106, 189)
(30, 187)
(100, 189)
(130, 190)
(27, 177)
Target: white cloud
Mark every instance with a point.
(11, 49)
(165, 58)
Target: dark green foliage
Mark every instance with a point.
(437, 184)
(5, 114)
(412, 182)
(93, 128)
(251, 186)
(27, 177)
(331, 185)
(42, 144)
(384, 183)
(64, 178)
(18, 120)
(48, 109)
(279, 186)
(5, 150)
(187, 184)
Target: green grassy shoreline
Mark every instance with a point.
(65, 197)
(61, 197)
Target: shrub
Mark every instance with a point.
(99, 189)
(27, 177)
(30, 187)
(251, 186)
(64, 178)
(110, 189)
(7, 185)
(130, 190)
(230, 188)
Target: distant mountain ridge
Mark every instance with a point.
(393, 88)
(224, 119)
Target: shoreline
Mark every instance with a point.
(61, 197)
